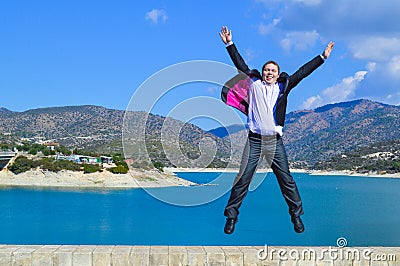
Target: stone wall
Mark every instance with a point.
(195, 255)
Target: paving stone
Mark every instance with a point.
(289, 255)
(385, 256)
(82, 256)
(23, 255)
(196, 256)
(324, 263)
(250, 255)
(361, 263)
(177, 255)
(120, 255)
(394, 254)
(6, 254)
(67, 255)
(306, 263)
(291, 263)
(63, 256)
(140, 256)
(44, 255)
(159, 255)
(271, 255)
(233, 256)
(343, 262)
(215, 255)
(102, 255)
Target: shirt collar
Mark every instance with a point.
(265, 83)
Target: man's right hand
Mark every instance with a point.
(226, 35)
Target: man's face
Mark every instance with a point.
(270, 73)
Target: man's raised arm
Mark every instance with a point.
(309, 67)
(226, 36)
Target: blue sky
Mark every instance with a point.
(59, 53)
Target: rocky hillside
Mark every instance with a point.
(100, 129)
(311, 136)
(316, 135)
(383, 157)
(63, 122)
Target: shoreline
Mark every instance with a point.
(351, 173)
(135, 178)
(101, 180)
(311, 172)
(225, 170)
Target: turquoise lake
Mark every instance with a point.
(364, 210)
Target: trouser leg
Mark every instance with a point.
(280, 167)
(248, 166)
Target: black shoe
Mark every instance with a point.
(230, 225)
(298, 224)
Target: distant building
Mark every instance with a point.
(51, 145)
(92, 160)
(86, 159)
(106, 159)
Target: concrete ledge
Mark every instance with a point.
(65, 255)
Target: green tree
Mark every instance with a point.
(4, 146)
(77, 152)
(33, 151)
(118, 157)
(64, 150)
(396, 166)
(159, 165)
(122, 163)
(46, 152)
(21, 164)
(118, 170)
(91, 168)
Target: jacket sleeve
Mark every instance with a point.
(237, 59)
(304, 71)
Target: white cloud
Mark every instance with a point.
(340, 92)
(157, 15)
(299, 40)
(382, 82)
(375, 48)
(371, 66)
(312, 102)
(264, 29)
(394, 66)
(388, 69)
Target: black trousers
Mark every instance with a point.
(272, 148)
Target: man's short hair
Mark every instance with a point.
(271, 62)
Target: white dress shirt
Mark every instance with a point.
(262, 100)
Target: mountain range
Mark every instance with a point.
(313, 136)
(310, 136)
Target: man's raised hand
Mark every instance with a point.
(328, 50)
(226, 35)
